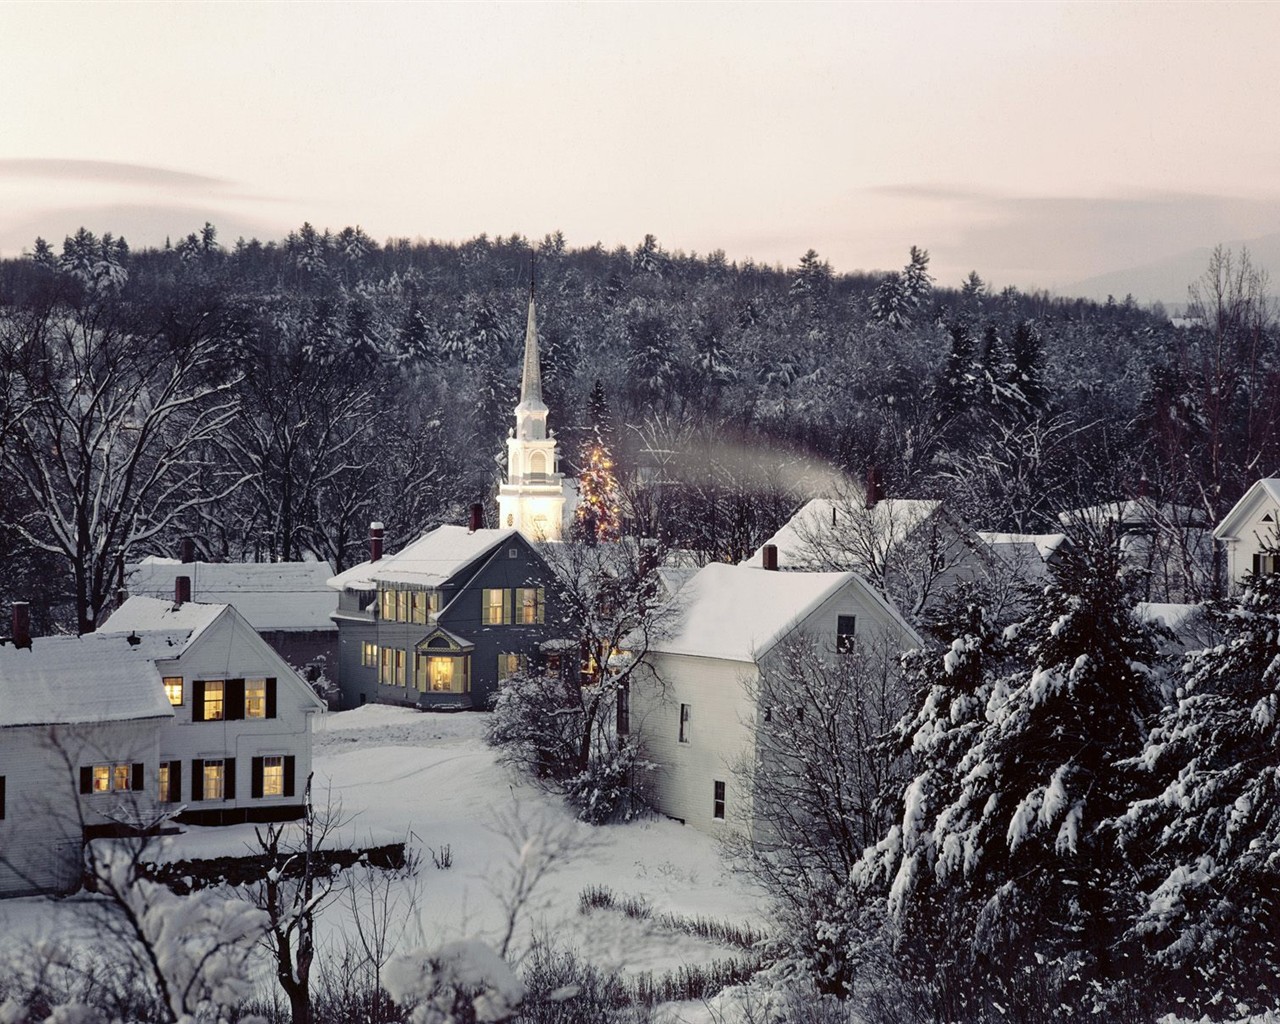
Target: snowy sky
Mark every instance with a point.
(1037, 143)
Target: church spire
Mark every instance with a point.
(531, 381)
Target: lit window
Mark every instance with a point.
(369, 654)
(402, 606)
(170, 782)
(846, 641)
(424, 603)
(386, 667)
(717, 806)
(511, 665)
(624, 709)
(273, 776)
(255, 698)
(402, 660)
(529, 609)
(442, 674)
(684, 723)
(214, 780)
(173, 689)
(388, 605)
(495, 608)
(109, 778)
(214, 692)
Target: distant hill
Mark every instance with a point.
(1166, 280)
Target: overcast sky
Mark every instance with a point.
(1037, 143)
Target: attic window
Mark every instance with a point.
(1268, 518)
(439, 643)
(513, 553)
(846, 629)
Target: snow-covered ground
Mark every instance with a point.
(399, 774)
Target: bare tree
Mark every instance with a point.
(108, 445)
(569, 728)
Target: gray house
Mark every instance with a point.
(442, 622)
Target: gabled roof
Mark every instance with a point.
(270, 595)
(430, 561)
(878, 528)
(68, 680)
(738, 613)
(1045, 545)
(1267, 489)
(1134, 512)
(166, 631)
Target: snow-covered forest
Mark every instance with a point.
(270, 399)
(1056, 809)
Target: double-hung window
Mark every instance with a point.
(717, 803)
(510, 664)
(530, 608)
(368, 654)
(495, 607)
(214, 705)
(173, 690)
(684, 723)
(111, 778)
(846, 639)
(255, 698)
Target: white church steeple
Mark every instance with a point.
(532, 497)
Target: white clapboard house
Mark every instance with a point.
(80, 726)
(690, 699)
(238, 747)
(1250, 532)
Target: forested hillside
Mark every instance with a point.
(270, 399)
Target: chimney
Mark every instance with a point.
(21, 624)
(477, 517)
(873, 487)
(187, 550)
(181, 590)
(375, 541)
(769, 557)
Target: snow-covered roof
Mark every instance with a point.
(1046, 544)
(1133, 512)
(270, 595)
(430, 561)
(1263, 490)
(737, 612)
(166, 630)
(823, 522)
(1172, 616)
(66, 680)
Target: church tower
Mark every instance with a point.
(532, 497)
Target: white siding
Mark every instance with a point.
(720, 732)
(40, 834)
(231, 649)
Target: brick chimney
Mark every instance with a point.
(873, 487)
(181, 590)
(769, 557)
(187, 550)
(22, 625)
(375, 541)
(477, 518)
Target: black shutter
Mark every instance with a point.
(137, 778)
(197, 703)
(175, 781)
(233, 704)
(271, 698)
(197, 779)
(86, 779)
(229, 773)
(255, 779)
(1, 797)
(288, 775)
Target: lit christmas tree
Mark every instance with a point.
(597, 513)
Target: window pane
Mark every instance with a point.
(529, 605)
(255, 698)
(213, 694)
(273, 776)
(173, 689)
(162, 793)
(402, 606)
(101, 778)
(213, 779)
(369, 654)
(494, 609)
(388, 609)
(120, 777)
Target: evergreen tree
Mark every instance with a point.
(1207, 838)
(1020, 844)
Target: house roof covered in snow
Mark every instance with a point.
(1045, 545)
(1263, 491)
(66, 680)
(165, 630)
(1172, 616)
(1134, 512)
(270, 595)
(827, 527)
(738, 612)
(430, 561)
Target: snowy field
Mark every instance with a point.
(430, 778)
